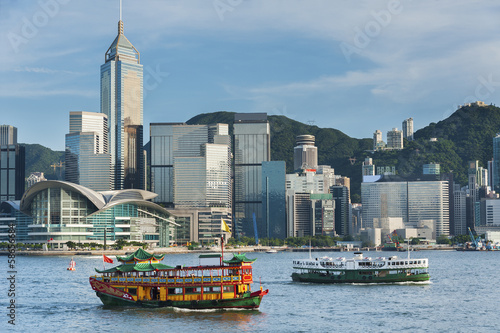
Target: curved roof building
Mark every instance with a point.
(62, 211)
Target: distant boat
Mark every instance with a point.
(272, 251)
(72, 265)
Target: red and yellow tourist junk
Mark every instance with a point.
(141, 280)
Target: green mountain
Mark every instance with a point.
(464, 136)
(42, 159)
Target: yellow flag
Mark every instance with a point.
(225, 227)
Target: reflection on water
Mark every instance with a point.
(50, 298)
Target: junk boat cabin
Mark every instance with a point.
(141, 280)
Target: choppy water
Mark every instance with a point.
(463, 296)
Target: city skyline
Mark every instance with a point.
(382, 61)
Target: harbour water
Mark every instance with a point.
(463, 296)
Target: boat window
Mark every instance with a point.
(228, 289)
(132, 291)
(171, 291)
(216, 289)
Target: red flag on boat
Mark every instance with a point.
(107, 259)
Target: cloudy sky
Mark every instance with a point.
(356, 66)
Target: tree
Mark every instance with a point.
(71, 245)
(119, 244)
(415, 241)
(443, 239)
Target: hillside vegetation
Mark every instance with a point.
(466, 135)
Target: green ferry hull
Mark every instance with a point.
(355, 277)
(252, 301)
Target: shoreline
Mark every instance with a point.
(184, 250)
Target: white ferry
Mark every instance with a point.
(360, 269)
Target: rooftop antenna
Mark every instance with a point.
(120, 10)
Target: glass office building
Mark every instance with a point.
(122, 103)
(413, 201)
(64, 211)
(273, 200)
(252, 146)
(86, 156)
(12, 168)
(170, 141)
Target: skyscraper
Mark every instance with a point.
(122, 103)
(496, 163)
(12, 164)
(408, 129)
(8, 135)
(190, 165)
(87, 158)
(305, 154)
(252, 146)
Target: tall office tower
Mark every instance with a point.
(490, 174)
(395, 139)
(408, 129)
(305, 154)
(378, 143)
(187, 168)
(88, 162)
(273, 200)
(122, 103)
(8, 135)
(368, 168)
(496, 163)
(341, 197)
(460, 212)
(12, 167)
(252, 146)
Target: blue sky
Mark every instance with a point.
(356, 66)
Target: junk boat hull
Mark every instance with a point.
(110, 297)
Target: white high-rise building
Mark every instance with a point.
(394, 139)
(408, 129)
(305, 154)
(412, 201)
(86, 156)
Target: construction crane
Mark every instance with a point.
(476, 241)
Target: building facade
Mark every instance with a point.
(87, 160)
(8, 135)
(62, 211)
(413, 201)
(408, 129)
(252, 146)
(395, 139)
(305, 154)
(12, 168)
(273, 200)
(190, 165)
(122, 103)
